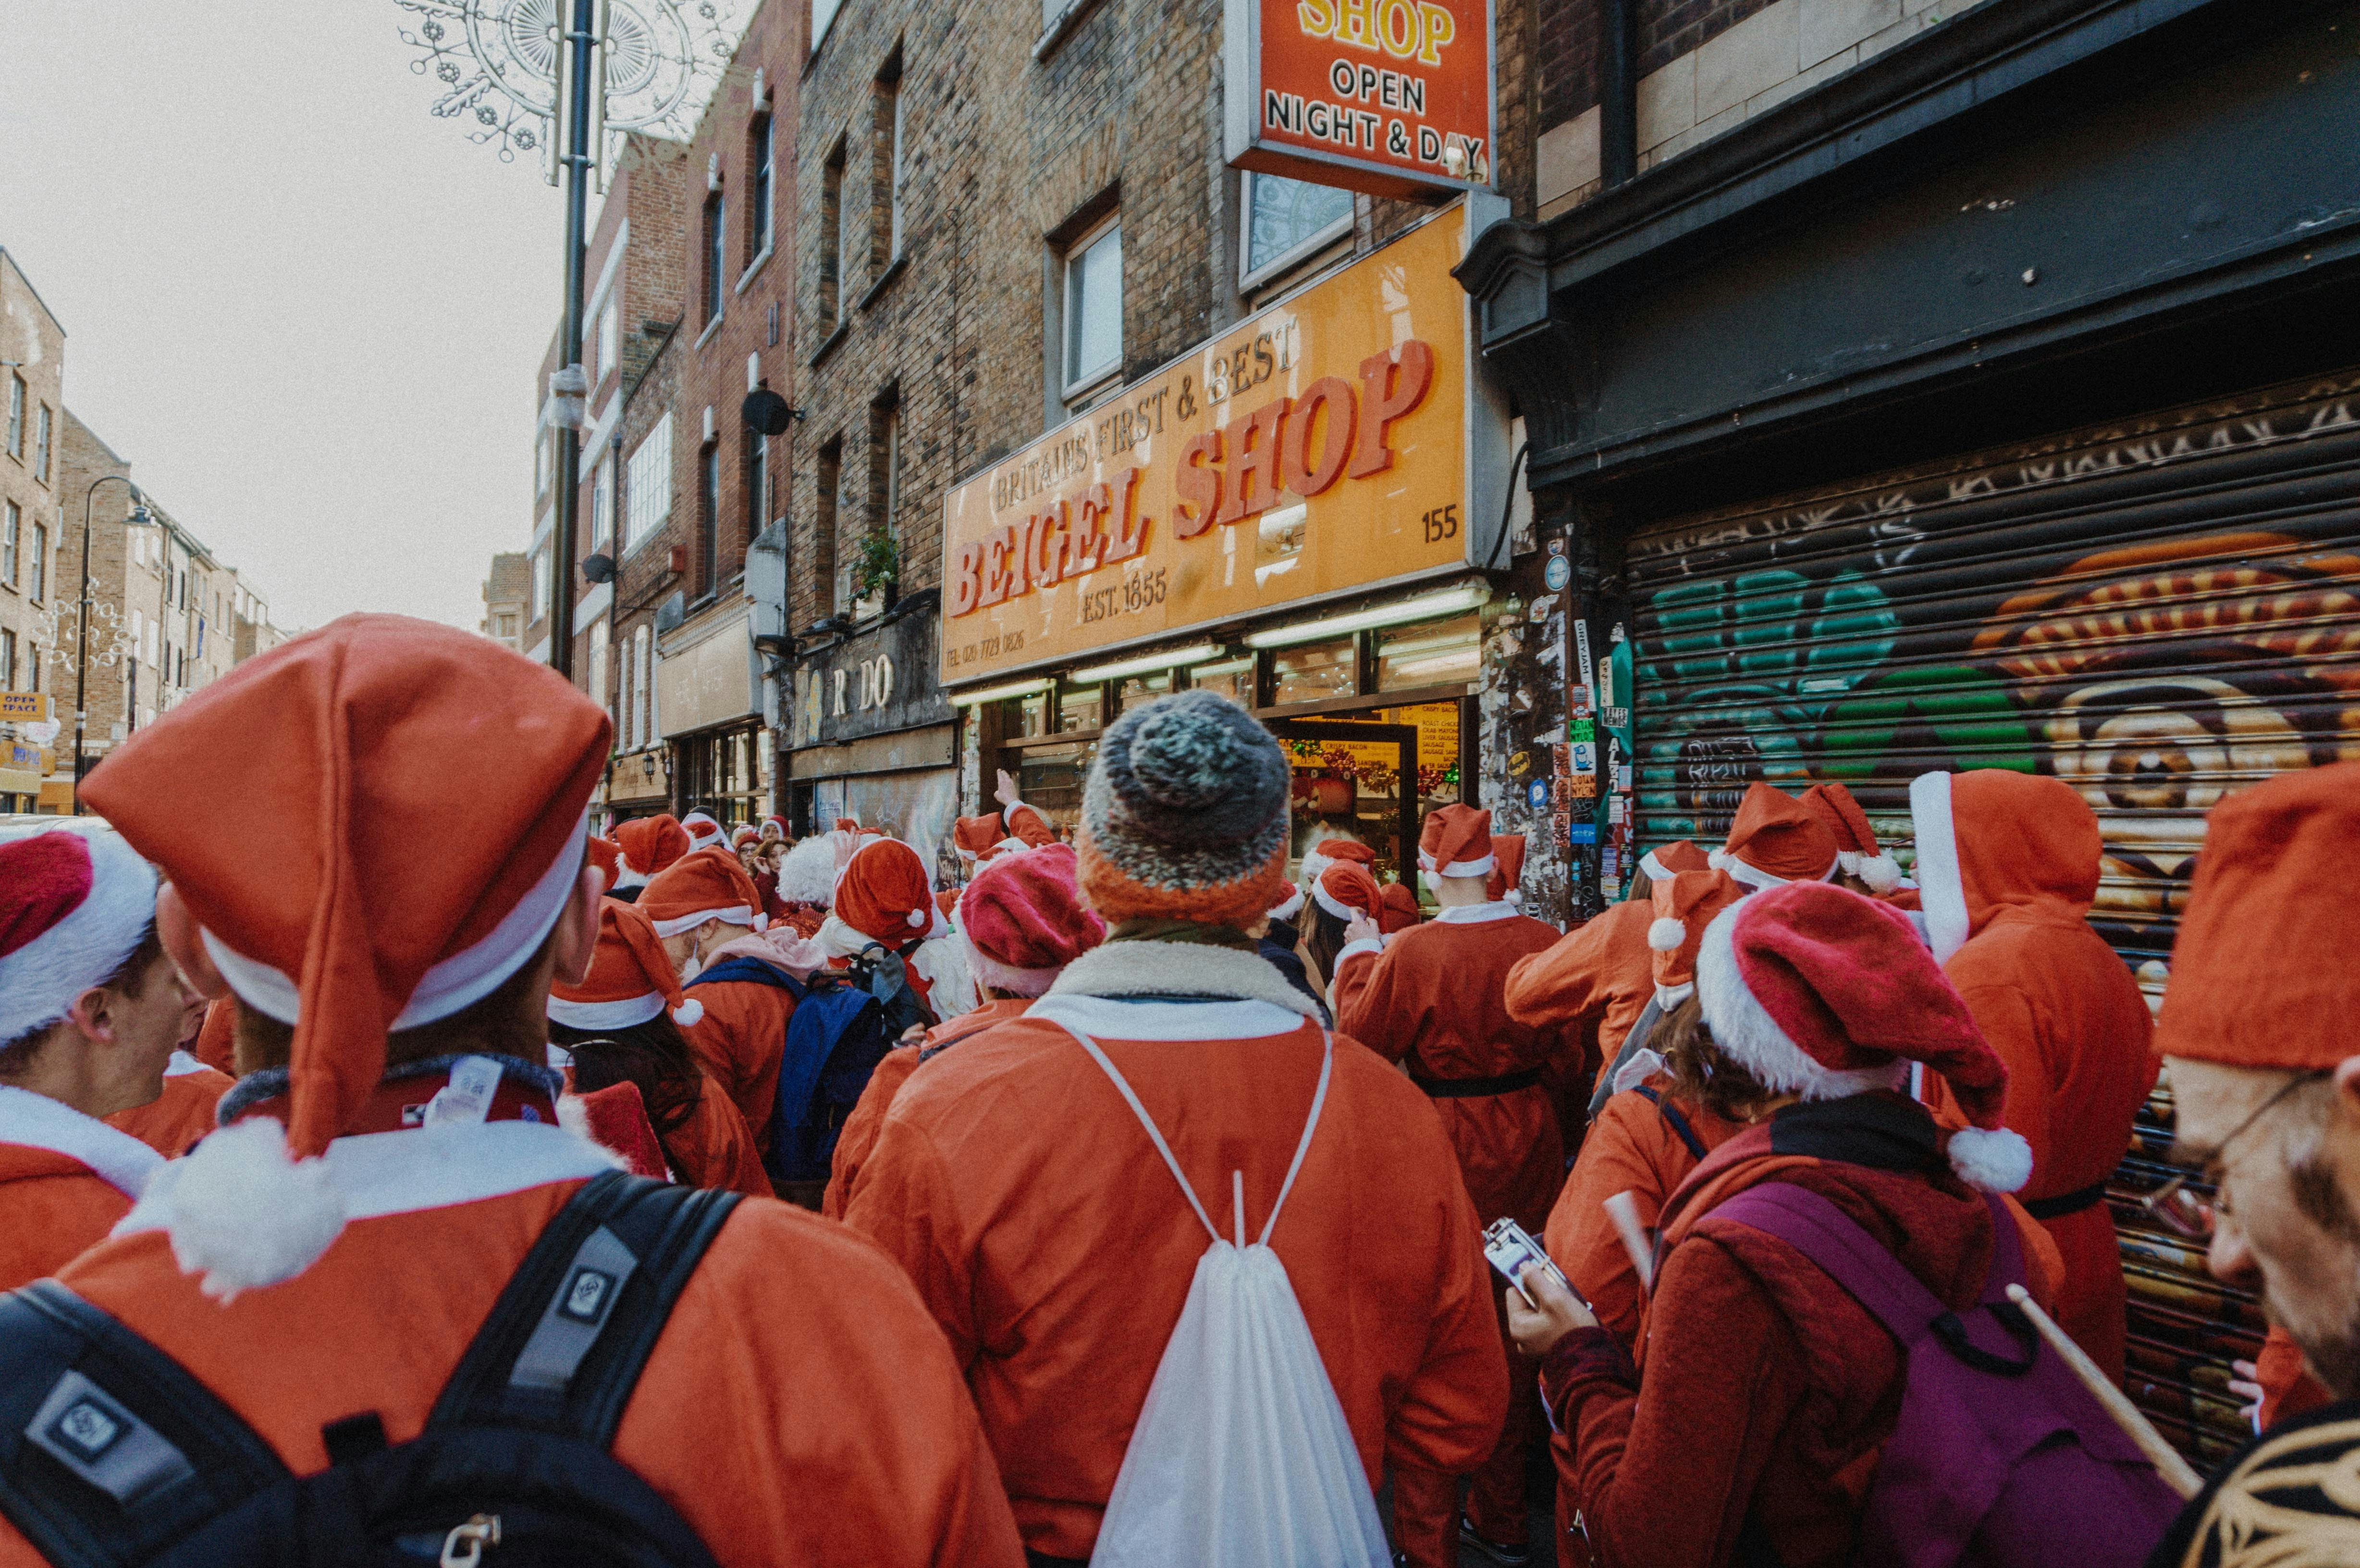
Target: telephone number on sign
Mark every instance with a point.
(1141, 590)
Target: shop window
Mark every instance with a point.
(1312, 670)
(1232, 677)
(1081, 708)
(1026, 716)
(1287, 221)
(1093, 308)
(1049, 780)
(1144, 688)
(722, 774)
(1435, 654)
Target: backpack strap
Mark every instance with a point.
(1676, 1122)
(110, 1451)
(566, 1341)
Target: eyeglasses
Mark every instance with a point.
(2177, 1209)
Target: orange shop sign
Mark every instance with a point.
(1332, 443)
(1393, 97)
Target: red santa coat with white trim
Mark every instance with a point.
(65, 1179)
(755, 1402)
(867, 1118)
(1022, 1196)
(1598, 977)
(183, 1113)
(1432, 1000)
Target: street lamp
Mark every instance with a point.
(516, 68)
(139, 515)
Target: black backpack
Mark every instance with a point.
(844, 1023)
(111, 1455)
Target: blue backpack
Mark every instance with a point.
(842, 1025)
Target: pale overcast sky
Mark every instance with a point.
(308, 313)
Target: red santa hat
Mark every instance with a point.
(616, 1117)
(1775, 839)
(1856, 847)
(1287, 907)
(885, 896)
(1024, 920)
(1397, 908)
(1820, 992)
(1507, 869)
(608, 856)
(75, 903)
(1666, 861)
(848, 824)
(1685, 905)
(807, 875)
(2261, 974)
(631, 978)
(704, 830)
(1456, 842)
(780, 823)
(977, 839)
(1991, 832)
(709, 884)
(1329, 852)
(1346, 889)
(649, 845)
(743, 834)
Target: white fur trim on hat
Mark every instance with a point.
(1993, 1161)
(40, 981)
(1337, 907)
(456, 984)
(728, 914)
(1288, 908)
(1745, 1032)
(1007, 977)
(1656, 869)
(1670, 997)
(1942, 890)
(1666, 933)
(624, 877)
(615, 1015)
(1457, 867)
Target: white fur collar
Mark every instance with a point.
(36, 1121)
(1476, 914)
(1180, 969)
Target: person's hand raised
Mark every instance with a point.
(1360, 928)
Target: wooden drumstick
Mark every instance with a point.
(2177, 1472)
(1624, 1213)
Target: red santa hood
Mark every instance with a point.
(1990, 840)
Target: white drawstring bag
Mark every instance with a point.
(1242, 1457)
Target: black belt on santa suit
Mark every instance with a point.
(2064, 1204)
(1476, 1088)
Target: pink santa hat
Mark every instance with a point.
(1820, 992)
(75, 902)
(1024, 920)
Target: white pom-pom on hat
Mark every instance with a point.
(688, 1013)
(916, 917)
(1717, 860)
(1998, 1161)
(1881, 872)
(1666, 934)
(244, 1215)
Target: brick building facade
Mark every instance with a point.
(32, 489)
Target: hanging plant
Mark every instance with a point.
(877, 565)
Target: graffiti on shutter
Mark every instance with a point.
(2158, 613)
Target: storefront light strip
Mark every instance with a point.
(1465, 597)
(1145, 663)
(994, 693)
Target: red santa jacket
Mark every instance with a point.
(713, 1149)
(867, 1118)
(1765, 1393)
(1636, 1146)
(1431, 1000)
(1599, 977)
(2061, 1009)
(755, 1402)
(1022, 1194)
(739, 1043)
(65, 1179)
(182, 1113)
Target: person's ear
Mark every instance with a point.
(93, 1014)
(2347, 1089)
(574, 941)
(177, 929)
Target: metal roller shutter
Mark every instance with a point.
(2158, 612)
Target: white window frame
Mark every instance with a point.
(646, 487)
(16, 394)
(598, 644)
(1076, 385)
(762, 195)
(43, 426)
(602, 503)
(12, 538)
(38, 589)
(1251, 277)
(610, 340)
(540, 585)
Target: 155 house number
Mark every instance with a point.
(1441, 523)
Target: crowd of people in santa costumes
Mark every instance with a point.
(1151, 1223)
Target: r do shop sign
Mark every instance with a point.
(1320, 447)
(1393, 97)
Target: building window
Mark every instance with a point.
(10, 535)
(764, 140)
(1287, 221)
(41, 447)
(758, 481)
(643, 723)
(610, 338)
(1311, 670)
(40, 589)
(1093, 311)
(1434, 654)
(832, 567)
(598, 646)
(507, 622)
(647, 486)
(7, 660)
(541, 583)
(540, 464)
(33, 667)
(601, 504)
(886, 216)
(831, 239)
(709, 521)
(16, 416)
(715, 284)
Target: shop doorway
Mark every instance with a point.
(1358, 780)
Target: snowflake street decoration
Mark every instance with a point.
(494, 62)
(110, 639)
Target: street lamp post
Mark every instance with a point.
(82, 628)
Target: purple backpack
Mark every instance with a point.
(2000, 1458)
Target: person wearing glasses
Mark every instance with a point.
(2256, 1037)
